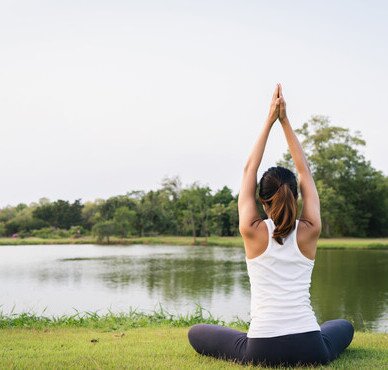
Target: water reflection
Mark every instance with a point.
(348, 284)
(352, 284)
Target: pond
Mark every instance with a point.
(61, 279)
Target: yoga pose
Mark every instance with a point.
(280, 255)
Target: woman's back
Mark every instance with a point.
(283, 330)
(280, 280)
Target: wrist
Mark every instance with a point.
(269, 122)
(284, 120)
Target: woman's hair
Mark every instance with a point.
(279, 193)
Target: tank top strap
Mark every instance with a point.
(271, 228)
(293, 239)
(294, 231)
(296, 246)
(269, 223)
(268, 248)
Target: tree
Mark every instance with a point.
(232, 210)
(124, 220)
(352, 192)
(108, 208)
(155, 213)
(91, 214)
(172, 186)
(7, 213)
(223, 196)
(60, 214)
(221, 218)
(22, 221)
(2, 229)
(104, 229)
(194, 203)
(137, 197)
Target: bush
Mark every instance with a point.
(104, 229)
(2, 229)
(76, 231)
(23, 224)
(50, 233)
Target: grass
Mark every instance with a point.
(145, 348)
(113, 321)
(226, 241)
(137, 341)
(44, 241)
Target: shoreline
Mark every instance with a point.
(126, 320)
(233, 241)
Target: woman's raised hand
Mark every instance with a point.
(273, 114)
(282, 106)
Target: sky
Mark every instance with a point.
(105, 97)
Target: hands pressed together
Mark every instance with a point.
(278, 106)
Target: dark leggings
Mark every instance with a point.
(309, 348)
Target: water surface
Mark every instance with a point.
(60, 279)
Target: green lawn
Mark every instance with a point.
(137, 340)
(234, 241)
(160, 347)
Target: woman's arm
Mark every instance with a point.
(311, 205)
(247, 210)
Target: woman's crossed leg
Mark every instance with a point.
(337, 335)
(319, 347)
(218, 341)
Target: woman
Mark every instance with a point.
(280, 254)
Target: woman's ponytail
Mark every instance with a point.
(283, 210)
(278, 192)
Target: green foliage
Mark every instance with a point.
(124, 220)
(353, 194)
(194, 204)
(108, 208)
(222, 213)
(23, 223)
(91, 213)
(223, 196)
(104, 229)
(2, 229)
(153, 215)
(55, 233)
(77, 231)
(7, 214)
(123, 320)
(61, 214)
(169, 210)
(224, 219)
(50, 233)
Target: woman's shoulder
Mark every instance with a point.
(257, 244)
(306, 239)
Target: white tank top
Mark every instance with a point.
(280, 281)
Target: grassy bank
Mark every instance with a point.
(234, 241)
(112, 321)
(137, 340)
(145, 348)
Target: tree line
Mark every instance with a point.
(353, 195)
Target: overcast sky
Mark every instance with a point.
(98, 98)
